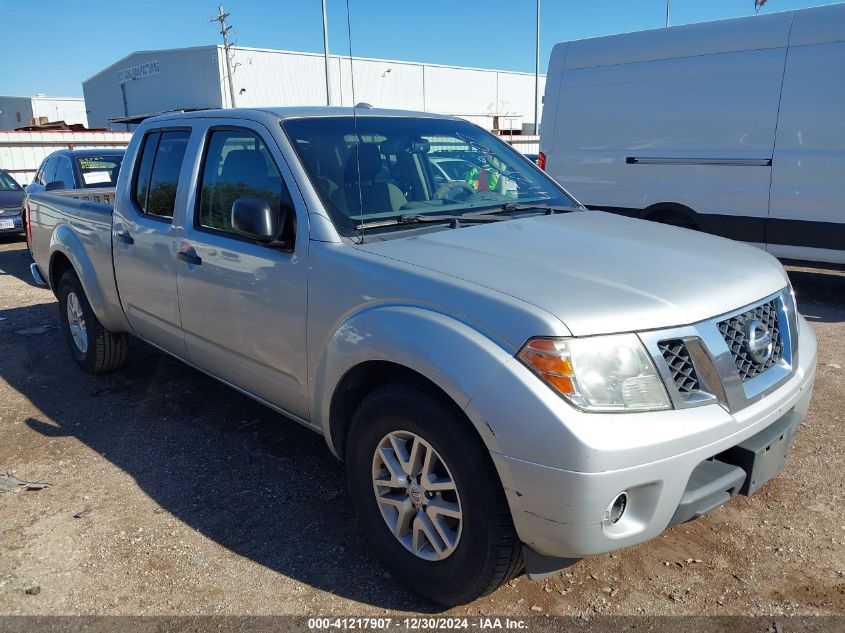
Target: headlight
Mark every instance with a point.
(598, 373)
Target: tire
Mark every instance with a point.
(486, 550)
(95, 349)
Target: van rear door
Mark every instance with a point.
(807, 218)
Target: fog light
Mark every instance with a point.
(617, 508)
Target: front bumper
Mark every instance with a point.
(562, 468)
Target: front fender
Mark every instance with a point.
(97, 278)
(449, 353)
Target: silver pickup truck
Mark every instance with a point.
(511, 381)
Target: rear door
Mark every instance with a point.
(243, 304)
(145, 239)
(807, 217)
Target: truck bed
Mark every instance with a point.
(75, 226)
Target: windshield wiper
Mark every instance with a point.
(413, 218)
(510, 207)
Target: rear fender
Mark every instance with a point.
(109, 312)
(449, 353)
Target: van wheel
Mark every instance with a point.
(428, 496)
(94, 348)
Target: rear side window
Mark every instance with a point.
(237, 164)
(158, 172)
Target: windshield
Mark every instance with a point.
(99, 171)
(419, 166)
(7, 183)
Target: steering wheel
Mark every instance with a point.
(454, 188)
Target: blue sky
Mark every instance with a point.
(62, 42)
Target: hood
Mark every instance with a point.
(9, 199)
(597, 272)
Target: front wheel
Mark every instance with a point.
(428, 496)
(94, 348)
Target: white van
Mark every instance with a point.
(735, 127)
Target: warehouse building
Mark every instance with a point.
(156, 81)
(40, 109)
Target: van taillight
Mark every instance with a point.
(541, 161)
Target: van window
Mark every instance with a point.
(161, 159)
(237, 164)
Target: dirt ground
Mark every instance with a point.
(171, 494)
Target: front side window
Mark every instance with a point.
(64, 173)
(99, 171)
(377, 170)
(48, 171)
(237, 165)
(160, 163)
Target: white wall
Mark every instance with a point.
(186, 78)
(196, 77)
(22, 152)
(71, 110)
(15, 112)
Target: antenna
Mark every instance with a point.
(355, 125)
(224, 31)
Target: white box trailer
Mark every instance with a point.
(22, 152)
(736, 127)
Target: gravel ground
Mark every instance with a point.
(171, 494)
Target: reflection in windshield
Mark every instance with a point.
(400, 166)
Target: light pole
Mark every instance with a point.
(326, 55)
(537, 76)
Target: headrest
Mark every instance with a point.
(369, 158)
(240, 164)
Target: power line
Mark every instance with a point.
(224, 31)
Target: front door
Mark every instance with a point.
(243, 304)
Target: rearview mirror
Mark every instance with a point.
(255, 218)
(54, 185)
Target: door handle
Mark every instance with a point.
(190, 257)
(125, 237)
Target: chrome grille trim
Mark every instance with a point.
(714, 362)
(675, 354)
(733, 330)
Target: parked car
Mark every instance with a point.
(509, 378)
(78, 169)
(11, 204)
(731, 127)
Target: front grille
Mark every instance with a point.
(680, 364)
(733, 330)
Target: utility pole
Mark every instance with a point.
(224, 31)
(667, 13)
(537, 76)
(326, 55)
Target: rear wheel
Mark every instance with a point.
(94, 348)
(428, 496)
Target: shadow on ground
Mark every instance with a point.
(258, 484)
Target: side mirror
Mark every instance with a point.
(255, 218)
(54, 185)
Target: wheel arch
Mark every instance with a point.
(663, 211)
(67, 252)
(382, 345)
